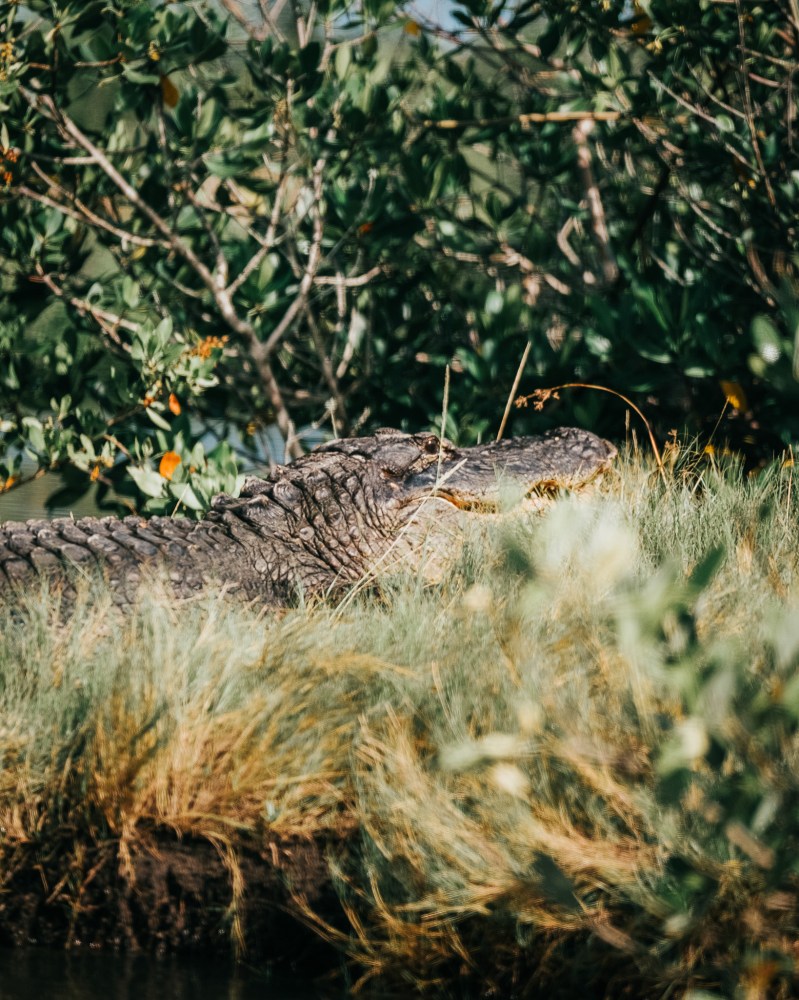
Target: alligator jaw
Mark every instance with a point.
(475, 486)
(481, 479)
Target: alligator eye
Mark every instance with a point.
(431, 445)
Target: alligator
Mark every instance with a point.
(347, 511)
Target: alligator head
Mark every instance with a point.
(350, 509)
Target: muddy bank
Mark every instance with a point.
(185, 895)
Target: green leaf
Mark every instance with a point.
(156, 418)
(141, 76)
(494, 303)
(767, 339)
(706, 568)
(35, 433)
(147, 479)
(343, 59)
(183, 493)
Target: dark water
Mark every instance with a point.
(39, 974)
(29, 501)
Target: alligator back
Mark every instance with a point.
(69, 550)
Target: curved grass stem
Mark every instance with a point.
(541, 396)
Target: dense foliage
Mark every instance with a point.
(214, 221)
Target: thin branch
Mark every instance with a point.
(694, 110)
(352, 42)
(350, 347)
(272, 16)
(13, 483)
(512, 258)
(562, 240)
(648, 210)
(82, 213)
(314, 257)
(267, 242)
(233, 8)
(327, 370)
(533, 118)
(79, 161)
(221, 269)
(355, 282)
(541, 396)
(103, 62)
(108, 321)
(68, 126)
(750, 115)
(305, 27)
(610, 269)
(505, 54)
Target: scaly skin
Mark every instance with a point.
(351, 508)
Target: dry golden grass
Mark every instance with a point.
(570, 765)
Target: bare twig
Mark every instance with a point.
(107, 320)
(349, 347)
(305, 25)
(443, 431)
(512, 258)
(14, 483)
(357, 281)
(562, 239)
(82, 213)
(648, 210)
(268, 240)
(532, 118)
(694, 109)
(233, 8)
(327, 371)
(514, 388)
(118, 444)
(272, 16)
(314, 257)
(221, 266)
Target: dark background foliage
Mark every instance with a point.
(218, 220)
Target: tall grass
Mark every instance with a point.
(572, 765)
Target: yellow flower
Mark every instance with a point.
(734, 395)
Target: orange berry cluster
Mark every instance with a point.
(209, 344)
(7, 156)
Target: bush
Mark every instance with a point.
(210, 226)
